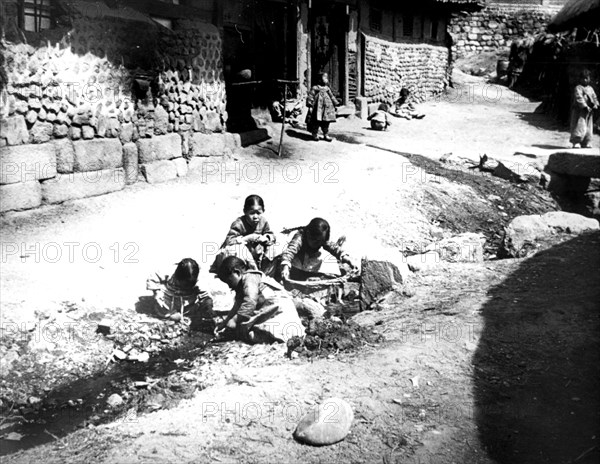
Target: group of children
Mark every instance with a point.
(263, 311)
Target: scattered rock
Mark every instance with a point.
(119, 355)
(104, 327)
(423, 261)
(381, 275)
(325, 424)
(114, 400)
(526, 235)
(13, 436)
(308, 308)
(458, 160)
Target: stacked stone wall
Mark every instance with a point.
(495, 27)
(72, 125)
(389, 66)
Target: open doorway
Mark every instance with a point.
(328, 54)
(257, 52)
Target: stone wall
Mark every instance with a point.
(109, 103)
(389, 66)
(64, 169)
(496, 26)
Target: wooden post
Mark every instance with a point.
(283, 119)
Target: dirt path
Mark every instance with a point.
(471, 397)
(503, 370)
(474, 118)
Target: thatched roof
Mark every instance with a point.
(577, 13)
(100, 10)
(433, 5)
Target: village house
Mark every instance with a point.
(369, 48)
(118, 92)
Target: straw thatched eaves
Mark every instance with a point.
(438, 5)
(577, 13)
(132, 10)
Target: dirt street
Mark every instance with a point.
(492, 362)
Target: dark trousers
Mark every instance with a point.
(324, 125)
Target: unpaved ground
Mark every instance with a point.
(476, 117)
(503, 355)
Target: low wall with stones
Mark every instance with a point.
(495, 27)
(389, 66)
(32, 175)
(73, 124)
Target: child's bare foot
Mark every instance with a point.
(327, 138)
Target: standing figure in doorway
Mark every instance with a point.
(321, 108)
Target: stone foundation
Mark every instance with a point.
(36, 174)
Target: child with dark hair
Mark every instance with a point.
(321, 108)
(403, 107)
(178, 297)
(303, 258)
(263, 312)
(582, 110)
(249, 233)
(379, 120)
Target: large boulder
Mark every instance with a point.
(381, 273)
(577, 162)
(326, 423)
(382, 269)
(525, 235)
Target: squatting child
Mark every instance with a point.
(178, 297)
(303, 257)
(263, 312)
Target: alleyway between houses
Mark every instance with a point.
(480, 363)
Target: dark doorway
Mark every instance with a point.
(329, 27)
(258, 50)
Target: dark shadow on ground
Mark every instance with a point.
(540, 120)
(537, 366)
(548, 147)
(299, 134)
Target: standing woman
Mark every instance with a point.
(582, 111)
